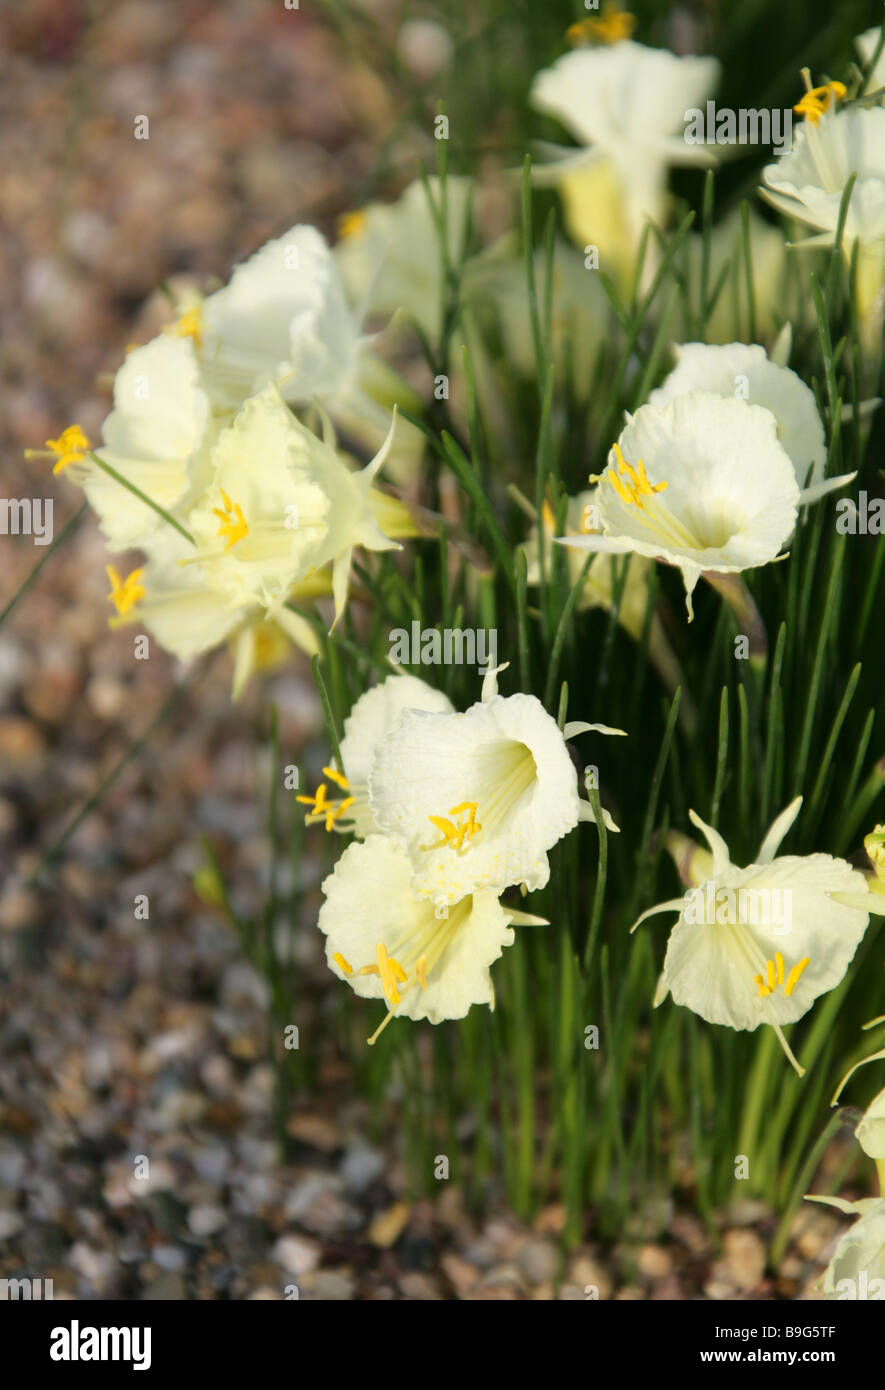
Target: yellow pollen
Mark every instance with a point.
(818, 100)
(190, 325)
(68, 448)
(233, 524)
(774, 971)
(454, 834)
(351, 223)
(125, 593)
(637, 485)
(609, 27)
(342, 964)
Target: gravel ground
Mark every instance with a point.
(122, 1037)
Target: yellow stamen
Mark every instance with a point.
(125, 593)
(190, 325)
(637, 485)
(817, 100)
(774, 972)
(68, 448)
(793, 977)
(454, 834)
(342, 963)
(609, 27)
(233, 524)
(351, 223)
(391, 973)
(323, 809)
(421, 971)
(337, 777)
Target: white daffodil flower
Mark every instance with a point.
(375, 713)
(702, 483)
(157, 437)
(171, 599)
(730, 318)
(383, 257)
(857, 1269)
(282, 318)
(759, 944)
(626, 105)
(808, 184)
(477, 799)
(387, 943)
(746, 372)
(495, 299)
(280, 505)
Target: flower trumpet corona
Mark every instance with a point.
(388, 944)
(735, 367)
(477, 799)
(702, 483)
(808, 184)
(375, 713)
(857, 1269)
(757, 945)
(279, 506)
(625, 104)
(156, 438)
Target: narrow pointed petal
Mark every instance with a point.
(671, 905)
(778, 832)
(818, 490)
(721, 857)
(577, 726)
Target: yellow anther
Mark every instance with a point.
(351, 223)
(233, 524)
(323, 809)
(391, 973)
(795, 973)
(421, 971)
(342, 964)
(818, 100)
(125, 593)
(190, 325)
(454, 834)
(637, 484)
(609, 27)
(547, 516)
(68, 448)
(337, 777)
(774, 976)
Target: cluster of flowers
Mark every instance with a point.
(219, 462)
(209, 466)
